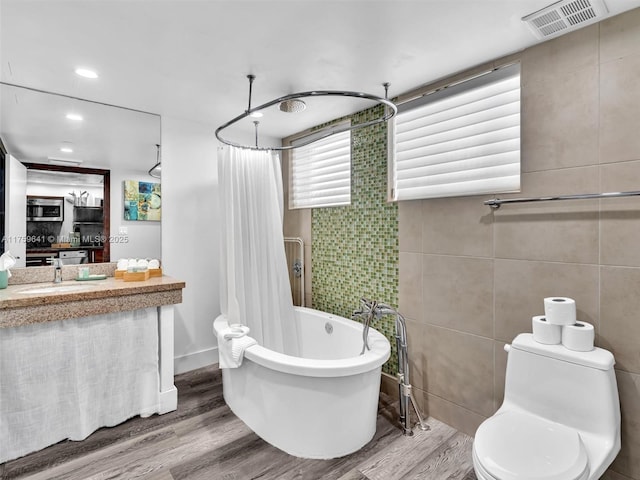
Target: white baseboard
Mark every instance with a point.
(192, 361)
(168, 401)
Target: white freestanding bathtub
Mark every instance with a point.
(322, 404)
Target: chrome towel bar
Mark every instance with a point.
(496, 202)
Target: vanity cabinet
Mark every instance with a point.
(78, 356)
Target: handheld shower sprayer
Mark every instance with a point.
(370, 310)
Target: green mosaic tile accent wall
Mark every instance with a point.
(355, 247)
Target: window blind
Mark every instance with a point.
(321, 173)
(462, 140)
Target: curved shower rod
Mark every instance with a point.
(389, 113)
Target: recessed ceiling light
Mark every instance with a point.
(74, 116)
(66, 149)
(86, 73)
(256, 114)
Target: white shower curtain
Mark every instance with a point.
(255, 289)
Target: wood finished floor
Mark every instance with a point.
(202, 439)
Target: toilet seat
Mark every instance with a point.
(518, 446)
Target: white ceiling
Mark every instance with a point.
(190, 59)
(33, 127)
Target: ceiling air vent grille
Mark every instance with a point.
(564, 16)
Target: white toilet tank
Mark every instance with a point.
(576, 389)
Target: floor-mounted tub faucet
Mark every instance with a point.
(370, 310)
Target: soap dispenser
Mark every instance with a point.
(57, 270)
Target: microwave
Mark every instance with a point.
(45, 209)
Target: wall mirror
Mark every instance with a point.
(81, 155)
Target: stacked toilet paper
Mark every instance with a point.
(559, 325)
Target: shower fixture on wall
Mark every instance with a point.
(293, 103)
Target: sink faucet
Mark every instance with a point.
(57, 270)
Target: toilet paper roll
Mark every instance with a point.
(545, 332)
(578, 337)
(560, 310)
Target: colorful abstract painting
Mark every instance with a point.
(142, 200)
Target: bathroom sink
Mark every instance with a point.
(55, 289)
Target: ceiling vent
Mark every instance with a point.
(63, 161)
(565, 16)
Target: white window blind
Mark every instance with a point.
(321, 173)
(462, 140)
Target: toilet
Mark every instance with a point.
(560, 419)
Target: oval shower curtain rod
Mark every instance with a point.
(291, 99)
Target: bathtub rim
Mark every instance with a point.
(372, 359)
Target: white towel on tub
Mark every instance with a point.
(232, 343)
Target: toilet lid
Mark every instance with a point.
(517, 446)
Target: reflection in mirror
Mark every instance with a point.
(75, 156)
(68, 214)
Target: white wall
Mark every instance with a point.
(190, 222)
(144, 237)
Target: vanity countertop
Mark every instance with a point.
(31, 303)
